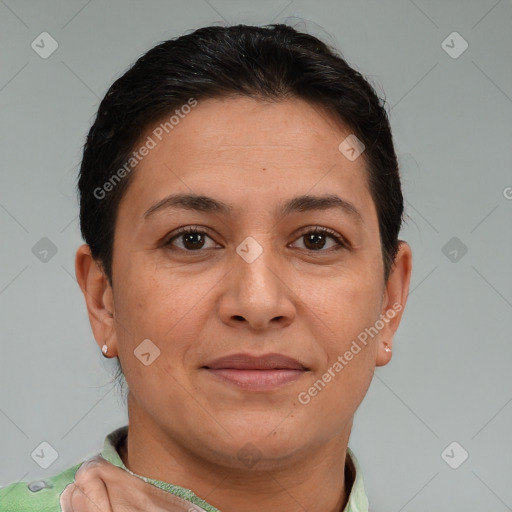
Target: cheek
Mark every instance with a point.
(160, 307)
(348, 305)
(353, 308)
(154, 309)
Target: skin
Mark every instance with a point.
(186, 426)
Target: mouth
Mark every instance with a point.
(258, 373)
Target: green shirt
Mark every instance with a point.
(43, 495)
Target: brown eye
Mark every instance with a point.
(192, 239)
(316, 239)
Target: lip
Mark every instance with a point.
(262, 362)
(257, 373)
(257, 380)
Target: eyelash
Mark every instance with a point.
(320, 230)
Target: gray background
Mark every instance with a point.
(449, 379)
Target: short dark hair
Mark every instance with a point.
(273, 63)
(270, 63)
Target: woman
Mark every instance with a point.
(241, 204)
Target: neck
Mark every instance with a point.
(315, 480)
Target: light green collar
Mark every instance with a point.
(358, 502)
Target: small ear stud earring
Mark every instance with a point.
(104, 349)
(387, 349)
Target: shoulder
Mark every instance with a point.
(38, 495)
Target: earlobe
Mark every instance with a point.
(394, 300)
(98, 298)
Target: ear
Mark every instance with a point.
(98, 297)
(393, 303)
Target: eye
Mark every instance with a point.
(192, 237)
(315, 239)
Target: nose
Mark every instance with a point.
(258, 293)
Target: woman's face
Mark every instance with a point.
(256, 282)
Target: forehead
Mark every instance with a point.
(248, 149)
(235, 124)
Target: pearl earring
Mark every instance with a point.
(104, 349)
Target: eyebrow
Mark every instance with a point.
(304, 203)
